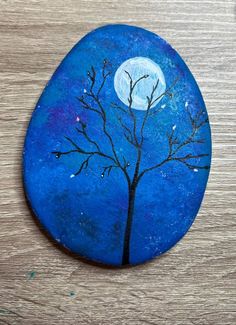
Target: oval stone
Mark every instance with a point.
(118, 150)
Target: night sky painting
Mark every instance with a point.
(118, 150)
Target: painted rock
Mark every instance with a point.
(117, 153)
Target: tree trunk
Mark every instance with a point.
(128, 227)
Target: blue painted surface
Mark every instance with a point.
(88, 213)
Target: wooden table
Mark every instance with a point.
(194, 283)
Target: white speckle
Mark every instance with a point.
(102, 175)
(72, 175)
(163, 106)
(81, 213)
(186, 104)
(85, 91)
(163, 174)
(174, 127)
(39, 106)
(77, 119)
(195, 170)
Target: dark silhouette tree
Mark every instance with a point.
(91, 101)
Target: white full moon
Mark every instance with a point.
(138, 67)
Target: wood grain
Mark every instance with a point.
(194, 283)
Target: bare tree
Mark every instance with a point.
(134, 135)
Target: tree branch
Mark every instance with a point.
(130, 101)
(197, 122)
(166, 92)
(92, 76)
(175, 145)
(87, 137)
(127, 133)
(107, 169)
(84, 165)
(78, 149)
(94, 96)
(85, 105)
(133, 85)
(104, 75)
(149, 99)
(114, 105)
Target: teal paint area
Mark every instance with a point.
(31, 275)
